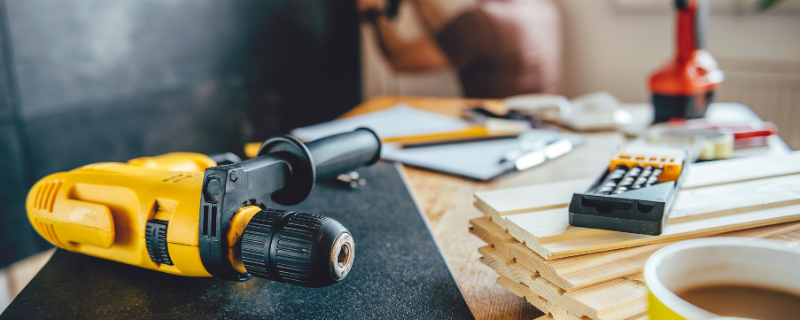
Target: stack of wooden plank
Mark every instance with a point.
(578, 273)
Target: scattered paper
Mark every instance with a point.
(398, 121)
(479, 160)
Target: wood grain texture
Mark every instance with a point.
(615, 299)
(538, 216)
(545, 317)
(586, 270)
(520, 290)
(619, 297)
(738, 170)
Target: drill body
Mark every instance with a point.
(182, 213)
(102, 210)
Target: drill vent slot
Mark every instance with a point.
(46, 195)
(214, 221)
(205, 220)
(210, 220)
(179, 177)
(48, 232)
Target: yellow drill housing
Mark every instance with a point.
(102, 209)
(182, 213)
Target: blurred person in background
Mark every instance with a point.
(500, 48)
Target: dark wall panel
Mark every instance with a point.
(5, 99)
(72, 53)
(317, 45)
(300, 58)
(201, 120)
(6, 114)
(17, 237)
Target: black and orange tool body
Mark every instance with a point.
(185, 214)
(634, 194)
(685, 86)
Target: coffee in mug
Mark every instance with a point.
(744, 301)
(733, 277)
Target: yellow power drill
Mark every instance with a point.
(184, 214)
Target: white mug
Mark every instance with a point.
(715, 261)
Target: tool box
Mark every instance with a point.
(635, 193)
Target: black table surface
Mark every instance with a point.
(398, 273)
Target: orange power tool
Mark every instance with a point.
(684, 87)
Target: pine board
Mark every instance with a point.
(617, 298)
(522, 291)
(717, 197)
(577, 272)
(713, 173)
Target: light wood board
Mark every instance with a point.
(520, 290)
(618, 297)
(586, 270)
(717, 197)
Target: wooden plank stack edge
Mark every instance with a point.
(605, 282)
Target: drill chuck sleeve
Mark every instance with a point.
(303, 249)
(345, 152)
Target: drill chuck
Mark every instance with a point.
(303, 249)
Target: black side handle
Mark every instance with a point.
(345, 152)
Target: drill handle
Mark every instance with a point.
(344, 152)
(692, 20)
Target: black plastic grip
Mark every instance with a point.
(700, 24)
(345, 152)
(700, 18)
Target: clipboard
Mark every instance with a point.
(475, 160)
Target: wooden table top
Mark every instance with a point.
(447, 204)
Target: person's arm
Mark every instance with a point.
(404, 56)
(408, 56)
(432, 15)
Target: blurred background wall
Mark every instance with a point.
(613, 45)
(86, 81)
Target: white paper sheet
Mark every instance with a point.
(398, 121)
(478, 160)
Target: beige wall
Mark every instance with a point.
(607, 47)
(610, 49)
